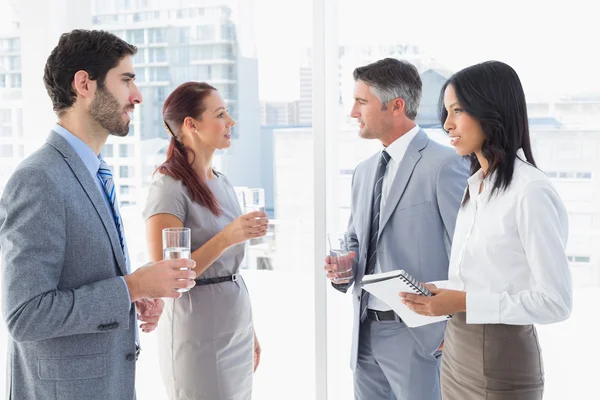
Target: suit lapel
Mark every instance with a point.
(368, 193)
(89, 186)
(405, 170)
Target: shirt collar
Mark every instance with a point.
(398, 147)
(87, 155)
(478, 177)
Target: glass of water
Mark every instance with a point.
(339, 251)
(176, 244)
(254, 200)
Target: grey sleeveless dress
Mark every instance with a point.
(206, 337)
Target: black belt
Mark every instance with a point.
(211, 281)
(376, 315)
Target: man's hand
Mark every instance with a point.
(149, 311)
(160, 279)
(332, 269)
(442, 302)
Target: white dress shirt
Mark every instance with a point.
(396, 150)
(508, 251)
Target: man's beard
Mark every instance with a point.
(106, 110)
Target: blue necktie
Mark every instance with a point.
(108, 184)
(106, 177)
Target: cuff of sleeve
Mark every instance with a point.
(440, 284)
(126, 289)
(483, 308)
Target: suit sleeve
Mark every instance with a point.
(450, 188)
(353, 246)
(32, 244)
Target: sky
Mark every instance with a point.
(551, 44)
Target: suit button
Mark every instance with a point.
(130, 357)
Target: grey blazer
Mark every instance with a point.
(68, 312)
(417, 223)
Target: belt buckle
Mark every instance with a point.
(234, 277)
(375, 313)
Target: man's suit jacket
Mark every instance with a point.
(67, 309)
(416, 226)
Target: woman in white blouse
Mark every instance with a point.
(508, 268)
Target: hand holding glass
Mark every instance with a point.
(176, 244)
(339, 252)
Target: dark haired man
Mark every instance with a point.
(69, 299)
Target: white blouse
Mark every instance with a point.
(508, 251)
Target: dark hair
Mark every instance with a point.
(390, 79)
(95, 52)
(187, 100)
(491, 93)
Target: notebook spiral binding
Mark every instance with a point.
(415, 284)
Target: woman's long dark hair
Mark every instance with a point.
(491, 93)
(186, 101)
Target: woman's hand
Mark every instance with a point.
(443, 302)
(257, 351)
(245, 227)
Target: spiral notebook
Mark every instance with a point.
(386, 287)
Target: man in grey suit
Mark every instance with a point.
(404, 205)
(68, 296)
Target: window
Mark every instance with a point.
(579, 259)
(157, 35)
(6, 150)
(228, 32)
(226, 51)
(184, 34)
(125, 171)
(203, 72)
(107, 150)
(15, 81)
(140, 57)
(15, 63)
(583, 175)
(569, 175)
(5, 116)
(157, 54)
(203, 52)
(159, 74)
(125, 150)
(135, 36)
(14, 45)
(124, 190)
(205, 32)
(140, 75)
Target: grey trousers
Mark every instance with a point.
(391, 365)
(491, 362)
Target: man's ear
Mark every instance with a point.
(83, 85)
(398, 106)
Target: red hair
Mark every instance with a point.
(186, 101)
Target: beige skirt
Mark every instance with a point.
(491, 362)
